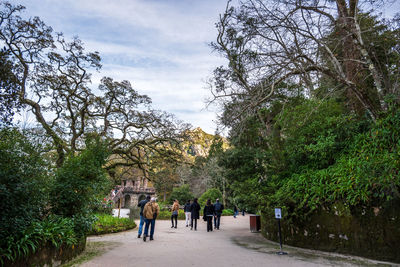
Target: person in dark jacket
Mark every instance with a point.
(218, 208)
(208, 214)
(186, 209)
(141, 204)
(194, 214)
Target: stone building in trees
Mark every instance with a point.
(134, 187)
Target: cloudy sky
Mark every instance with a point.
(160, 46)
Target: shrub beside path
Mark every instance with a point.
(233, 245)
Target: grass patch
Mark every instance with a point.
(166, 215)
(93, 249)
(106, 224)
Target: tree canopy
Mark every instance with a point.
(53, 81)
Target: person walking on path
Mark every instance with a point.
(150, 213)
(187, 213)
(235, 211)
(175, 212)
(208, 214)
(218, 208)
(194, 214)
(141, 204)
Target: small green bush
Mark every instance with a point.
(106, 224)
(227, 212)
(182, 194)
(212, 194)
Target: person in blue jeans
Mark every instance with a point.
(218, 208)
(141, 204)
(150, 213)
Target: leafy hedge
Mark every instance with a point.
(106, 224)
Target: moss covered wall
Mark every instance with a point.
(372, 232)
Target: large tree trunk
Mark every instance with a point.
(360, 98)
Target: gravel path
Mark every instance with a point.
(233, 245)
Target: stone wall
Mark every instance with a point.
(372, 232)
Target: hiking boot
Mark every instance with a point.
(172, 226)
(138, 236)
(175, 227)
(144, 238)
(151, 238)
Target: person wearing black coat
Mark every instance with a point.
(194, 214)
(208, 214)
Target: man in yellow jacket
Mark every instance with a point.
(150, 213)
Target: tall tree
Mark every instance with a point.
(8, 90)
(53, 78)
(271, 44)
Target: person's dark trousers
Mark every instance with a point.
(149, 222)
(195, 224)
(209, 223)
(176, 220)
(217, 220)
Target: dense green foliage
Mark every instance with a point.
(313, 115)
(51, 231)
(24, 182)
(78, 183)
(326, 157)
(41, 207)
(182, 194)
(106, 224)
(211, 194)
(365, 173)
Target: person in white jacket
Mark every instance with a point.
(187, 213)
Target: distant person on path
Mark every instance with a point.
(218, 208)
(235, 211)
(174, 214)
(141, 204)
(243, 212)
(187, 213)
(208, 214)
(150, 213)
(194, 214)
